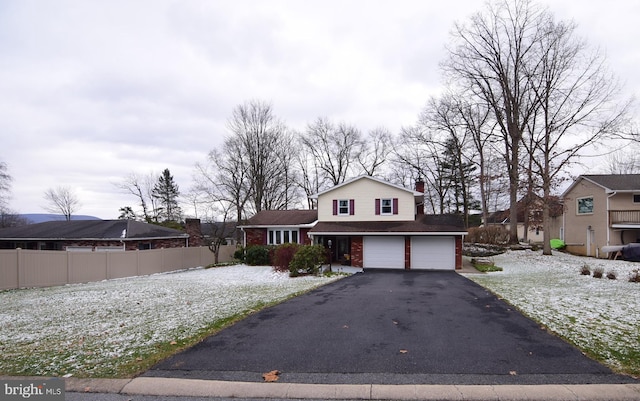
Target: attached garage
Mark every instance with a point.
(385, 252)
(433, 253)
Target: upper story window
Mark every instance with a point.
(584, 205)
(343, 207)
(387, 206)
(636, 198)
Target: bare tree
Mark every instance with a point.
(221, 185)
(624, 162)
(576, 99)
(375, 150)
(5, 185)
(63, 200)
(418, 149)
(141, 186)
(334, 148)
(489, 58)
(259, 136)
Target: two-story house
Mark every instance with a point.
(367, 222)
(601, 210)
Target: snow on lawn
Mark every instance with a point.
(601, 316)
(93, 329)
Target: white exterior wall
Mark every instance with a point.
(364, 193)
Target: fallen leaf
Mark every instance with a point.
(395, 322)
(271, 376)
(87, 389)
(173, 342)
(345, 327)
(513, 372)
(403, 351)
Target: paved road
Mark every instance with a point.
(390, 327)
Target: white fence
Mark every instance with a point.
(21, 268)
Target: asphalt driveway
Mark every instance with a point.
(390, 327)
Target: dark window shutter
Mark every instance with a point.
(395, 205)
(377, 206)
(335, 207)
(352, 210)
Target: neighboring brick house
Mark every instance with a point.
(92, 235)
(370, 223)
(601, 210)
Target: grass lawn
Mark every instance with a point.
(119, 328)
(600, 316)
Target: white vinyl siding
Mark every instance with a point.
(363, 193)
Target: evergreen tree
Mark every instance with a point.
(166, 192)
(458, 175)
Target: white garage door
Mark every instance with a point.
(383, 252)
(433, 253)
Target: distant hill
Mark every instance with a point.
(34, 218)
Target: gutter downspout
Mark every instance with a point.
(244, 237)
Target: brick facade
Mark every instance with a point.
(458, 252)
(356, 252)
(304, 237)
(193, 228)
(256, 236)
(407, 252)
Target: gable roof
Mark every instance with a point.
(366, 177)
(90, 230)
(427, 224)
(268, 218)
(610, 182)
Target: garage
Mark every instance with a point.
(433, 253)
(383, 252)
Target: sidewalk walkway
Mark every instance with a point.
(153, 386)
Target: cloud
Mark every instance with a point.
(92, 91)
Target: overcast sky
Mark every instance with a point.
(91, 91)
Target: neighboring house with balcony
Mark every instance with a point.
(367, 222)
(601, 210)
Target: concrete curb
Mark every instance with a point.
(212, 388)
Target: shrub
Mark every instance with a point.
(598, 272)
(308, 260)
(258, 255)
(635, 276)
(493, 235)
(239, 254)
(282, 256)
(585, 270)
(612, 275)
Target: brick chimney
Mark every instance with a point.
(420, 188)
(192, 227)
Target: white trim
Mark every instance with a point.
(415, 193)
(305, 225)
(633, 226)
(389, 233)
